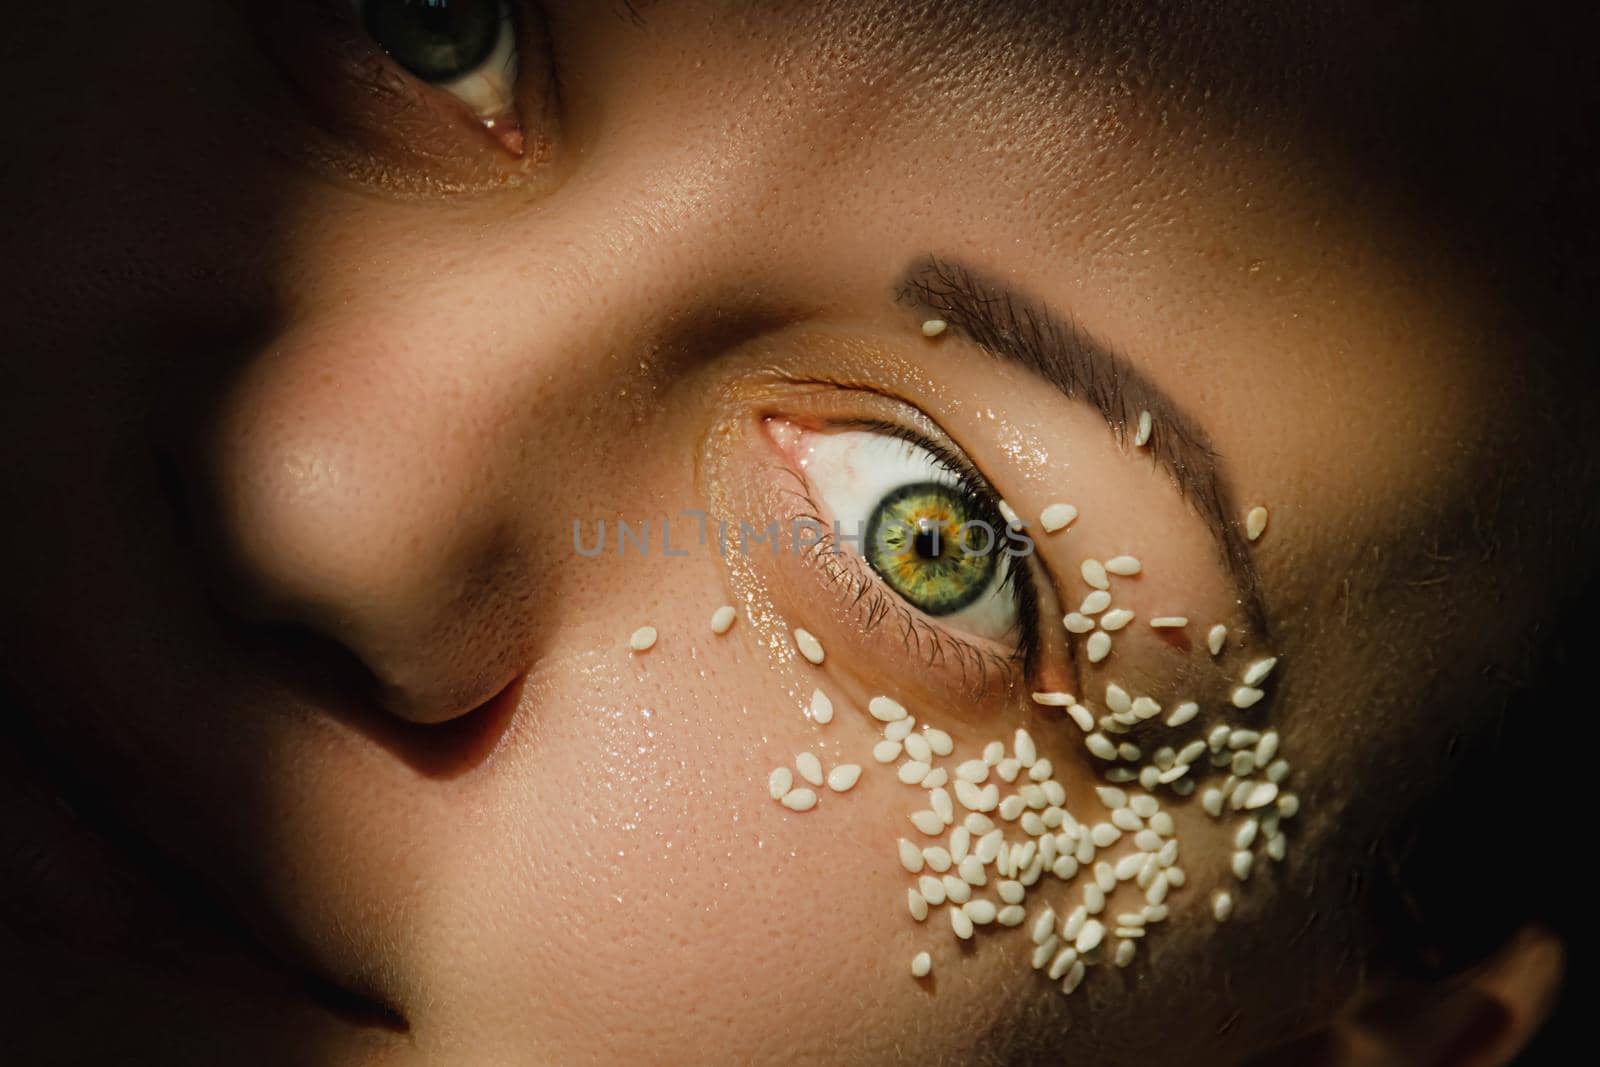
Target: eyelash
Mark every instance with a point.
(875, 603)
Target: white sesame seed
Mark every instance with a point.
(937, 858)
(1267, 748)
(912, 772)
(1191, 752)
(1008, 513)
(1255, 522)
(980, 911)
(1242, 862)
(808, 645)
(1044, 950)
(928, 822)
(987, 849)
(1008, 768)
(1027, 752)
(1276, 847)
(939, 801)
(1168, 857)
(1081, 716)
(1261, 794)
(810, 767)
(933, 327)
(955, 890)
(1243, 763)
(1101, 746)
(1077, 623)
(1218, 736)
(917, 748)
(960, 843)
(1116, 619)
(722, 619)
(1011, 915)
(1221, 905)
(1242, 738)
(1090, 936)
(910, 856)
(978, 824)
(1128, 866)
(1074, 977)
(801, 799)
(1211, 801)
(935, 778)
(976, 798)
(1126, 950)
(1183, 713)
(932, 889)
(1056, 794)
(994, 752)
(973, 770)
(1104, 835)
(886, 751)
(642, 639)
(1072, 926)
(1184, 787)
(1063, 960)
(1257, 672)
(779, 782)
(917, 904)
(921, 963)
(1054, 699)
(1111, 797)
(1144, 806)
(1241, 791)
(1128, 751)
(1032, 824)
(961, 923)
(1095, 602)
(900, 729)
(1120, 775)
(1288, 805)
(1011, 892)
(1145, 708)
(1123, 566)
(1011, 807)
(1123, 819)
(1041, 770)
(885, 710)
(1157, 891)
(1214, 638)
(1094, 574)
(1161, 823)
(1277, 770)
(1099, 646)
(1169, 622)
(1245, 836)
(1141, 436)
(1057, 516)
(1245, 696)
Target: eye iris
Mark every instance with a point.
(437, 40)
(916, 541)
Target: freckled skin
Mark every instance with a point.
(299, 411)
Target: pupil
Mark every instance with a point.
(437, 40)
(927, 543)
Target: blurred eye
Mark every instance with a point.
(467, 48)
(930, 528)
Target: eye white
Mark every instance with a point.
(851, 472)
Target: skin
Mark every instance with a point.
(329, 375)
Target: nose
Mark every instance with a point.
(355, 485)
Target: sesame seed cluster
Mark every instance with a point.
(989, 827)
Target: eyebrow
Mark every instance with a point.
(1023, 331)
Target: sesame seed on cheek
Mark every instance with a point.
(1083, 857)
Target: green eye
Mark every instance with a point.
(437, 40)
(919, 541)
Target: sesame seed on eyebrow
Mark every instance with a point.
(1029, 334)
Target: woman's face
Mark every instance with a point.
(318, 396)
